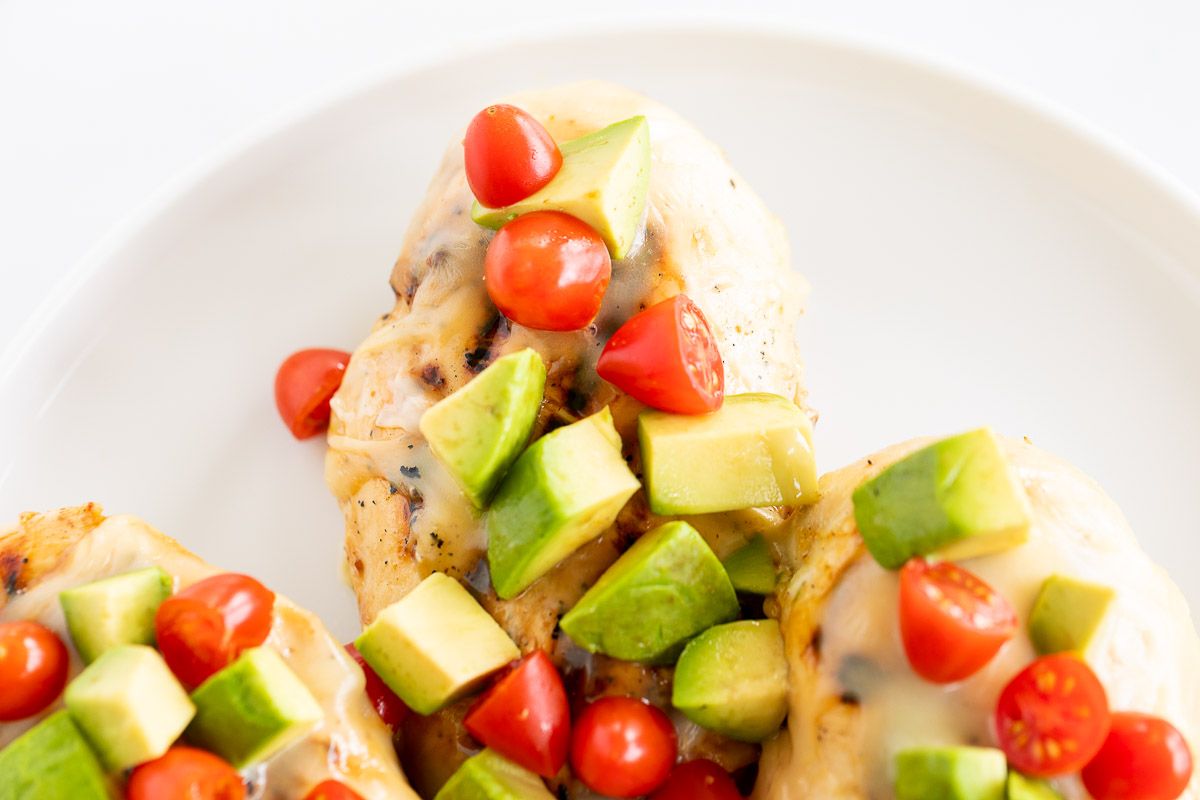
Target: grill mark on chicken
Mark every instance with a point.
(487, 346)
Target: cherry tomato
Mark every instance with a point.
(622, 747)
(525, 717)
(698, 780)
(508, 156)
(548, 270)
(332, 790)
(667, 358)
(1143, 758)
(33, 669)
(203, 628)
(1052, 717)
(185, 772)
(952, 623)
(387, 704)
(304, 384)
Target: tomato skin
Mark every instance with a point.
(185, 772)
(666, 356)
(1052, 717)
(332, 790)
(508, 155)
(698, 780)
(1143, 758)
(33, 669)
(203, 628)
(622, 747)
(391, 709)
(304, 384)
(525, 716)
(951, 621)
(548, 270)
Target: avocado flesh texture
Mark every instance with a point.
(732, 679)
(115, 611)
(562, 492)
(52, 761)
(665, 589)
(751, 568)
(955, 499)
(756, 450)
(1067, 615)
(479, 431)
(490, 776)
(1022, 788)
(950, 773)
(435, 645)
(603, 181)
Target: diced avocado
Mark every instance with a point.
(115, 611)
(956, 499)
(252, 709)
(751, 567)
(435, 645)
(563, 491)
(1067, 614)
(603, 181)
(52, 761)
(950, 773)
(1022, 788)
(732, 679)
(479, 431)
(490, 776)
(756, 450)
(661, 592)
(129, 706)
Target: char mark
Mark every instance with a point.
(487, 344)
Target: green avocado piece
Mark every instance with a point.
(115, 611)
(756, 450)
(661, 592)
(52, 761)
(129, 706)
(751, 567)
(490, 776)
(956, 499)
(950, 773)
(478, 431)
(1022, 788)
(252, 709)
(732, 679)
(603, 181)
(1067, 614)
(435, 645)
(564, 490)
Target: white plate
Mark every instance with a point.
(974, 260)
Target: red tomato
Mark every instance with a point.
(185, 772)
(622, 747)
(332, 790)
(203, 628)
(388, 705)
(1143, 758)
(667, 358)
(1052, 718)
(952, 623)
(508, 156)
(304, 384)
(698, 780)
(525, 717)
(548, 270)
(33, 669)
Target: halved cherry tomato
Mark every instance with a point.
(387, 704)
(622, 747)
(548, 270)
(1143, 758)
(508, 156)
(304, 384)
(525, 716)
(951, 621)
(1052, 717)
(204, 627)
(698, 780)
(33, 669)
(666, 357)
(332, 790)
(185, 772)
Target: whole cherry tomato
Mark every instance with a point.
(304, 384)
(698, 780)
(387, 704)
(508, 156)
(187, 774)
(33, 669)
(332, 790)
(1143, 758)
(622, 747)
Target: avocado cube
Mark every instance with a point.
(1067, 614)
(733, 679)
(435, 645)
(1022, 788)
(751, 568)
(129, 706)
(479, 431)
(562, 492)
(115, 611)
(252, 709)
(661, 592)
(489, 776)
(52, 761)
(957, 498)
(756, 450)
(950, 773)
